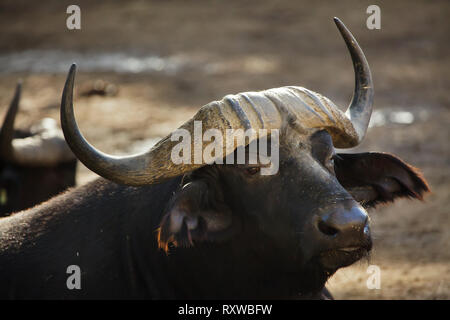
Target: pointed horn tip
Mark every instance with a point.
(67, 92)
(72, 70)
(340, 25)
(70, 77)
(337, 21)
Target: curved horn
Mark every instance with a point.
(145, 168)
(249, 110)
(7, 130)
(360, 108)
(157, 165)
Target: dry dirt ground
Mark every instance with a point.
(234, 46)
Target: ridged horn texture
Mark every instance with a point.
(250, 110)
(44, 147)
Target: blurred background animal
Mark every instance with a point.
(35, 164)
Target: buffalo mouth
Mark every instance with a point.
(343, 257)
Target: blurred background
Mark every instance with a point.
(147, 66)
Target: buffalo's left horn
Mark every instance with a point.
(7, 130)
(360, 108)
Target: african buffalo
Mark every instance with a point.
(162, 230)
(35, 164)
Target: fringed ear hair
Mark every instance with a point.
(195, 213)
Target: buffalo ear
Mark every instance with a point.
(195, 213)
(373, 178)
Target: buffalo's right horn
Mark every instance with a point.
(145, 168)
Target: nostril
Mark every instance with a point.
(327, 229)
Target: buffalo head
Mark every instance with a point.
(289, 230)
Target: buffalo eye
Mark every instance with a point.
(329, 163)
(252, 171)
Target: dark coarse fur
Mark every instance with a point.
(114, 243)
(253, 239)
(105, 228)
